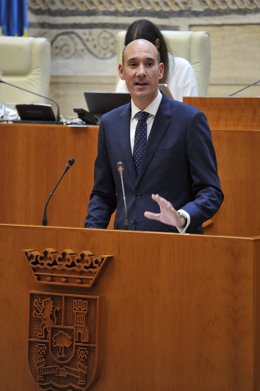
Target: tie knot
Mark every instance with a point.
(142, 115)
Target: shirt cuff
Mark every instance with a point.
(186, 215)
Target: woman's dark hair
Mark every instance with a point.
(144, 29)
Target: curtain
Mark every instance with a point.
(13, 17)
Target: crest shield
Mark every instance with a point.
(63, 344)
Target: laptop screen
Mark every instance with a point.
(100, 103)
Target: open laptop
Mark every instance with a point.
(100, 103)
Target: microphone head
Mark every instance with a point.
(120, 166)
(70, 162)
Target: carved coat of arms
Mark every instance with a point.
(63, 349)
(64, 328)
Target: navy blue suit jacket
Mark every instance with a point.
(179, 164)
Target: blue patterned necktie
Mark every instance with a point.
(140, 139)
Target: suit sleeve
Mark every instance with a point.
(206, 188)
(103, 199)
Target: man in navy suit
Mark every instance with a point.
(178, 181)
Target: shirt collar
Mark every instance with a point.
(152, 108)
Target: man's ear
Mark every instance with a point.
(161, 70)
(121, 72)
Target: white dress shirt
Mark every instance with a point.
(151, 109)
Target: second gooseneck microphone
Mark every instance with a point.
(69, 163)
(245, 88)
(120, 169)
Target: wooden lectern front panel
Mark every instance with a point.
(178, 312)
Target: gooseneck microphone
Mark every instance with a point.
(120, 170)
(245, 88)
(33, 93)
(69, 163)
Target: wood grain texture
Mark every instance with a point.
(34, 157)
(180, 311)
(229, 113)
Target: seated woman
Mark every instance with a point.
(178, 73)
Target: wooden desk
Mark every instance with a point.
(33, 158)
(229, 113)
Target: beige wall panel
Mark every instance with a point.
(235, 51)
(226, 90)
(69, 90)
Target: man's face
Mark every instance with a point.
(141, 71)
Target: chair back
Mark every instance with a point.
(25, 62)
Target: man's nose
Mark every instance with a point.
(141, 70)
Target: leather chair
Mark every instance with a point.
(25, 62)
(192, 45)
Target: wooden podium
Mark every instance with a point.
(179, 312)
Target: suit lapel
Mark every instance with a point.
(124, 135)
(160, 126)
